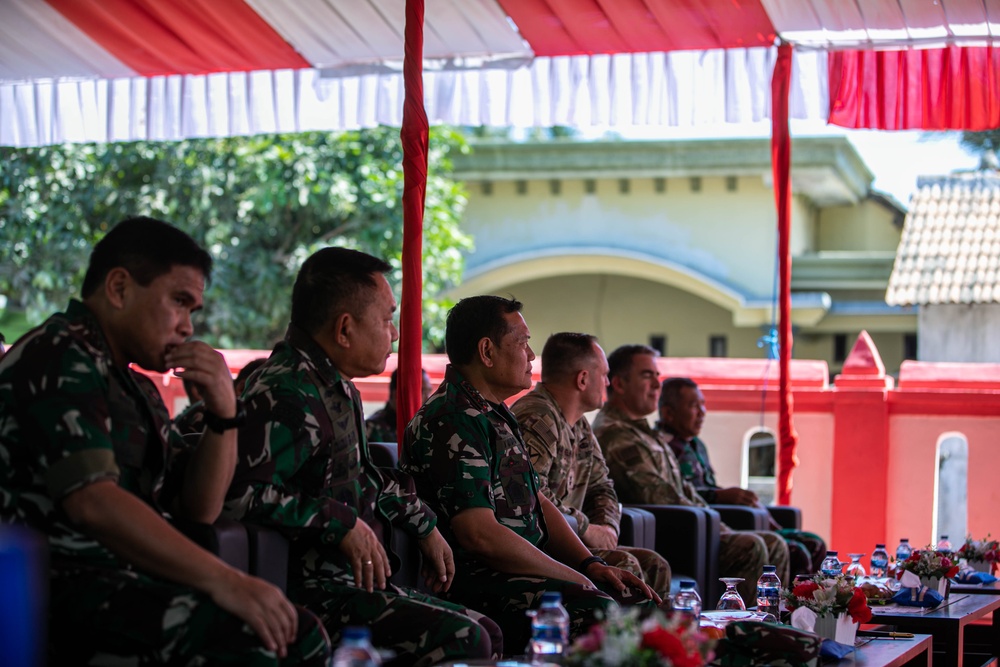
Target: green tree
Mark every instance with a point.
(260, 204)
(985, 143)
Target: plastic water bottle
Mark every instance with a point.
(944, 544)
(687, 602)
(831, 565)
(549, 630)
(769, 592)
(880, 561)
(903, 551)
(356, 649)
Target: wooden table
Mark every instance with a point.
(872, 652)
(948, 623)
(976, 589)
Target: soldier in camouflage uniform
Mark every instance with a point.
(381, 426)
(91, 461)
(304, 467)
(567, 458)
(645, 470)
(466, 454)
(682, 413)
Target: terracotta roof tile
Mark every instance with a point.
(950, 248)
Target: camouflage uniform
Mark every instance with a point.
(465, 452)
(190, 423)
(70, 418)
(304, 468)
(574, 477)
(806, 550)
(645, 470)
(381, 426)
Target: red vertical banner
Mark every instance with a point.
(781, 162)
(414, 138)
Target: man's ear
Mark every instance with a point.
(582, 379)
(116, 285)
(343, 329)
(487, 350)
(617, 385)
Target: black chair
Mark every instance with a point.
(268, 554)
(688, 537)
(744, 517)
(384, 454)
(786, 517)
(225, 538)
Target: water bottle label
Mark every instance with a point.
(547, 633)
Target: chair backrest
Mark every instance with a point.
(384, 454)
(688, 537)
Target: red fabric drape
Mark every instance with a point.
(953, 88)
(194, 37)
(414, 135)
(781, 162)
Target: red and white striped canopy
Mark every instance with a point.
(135, 69)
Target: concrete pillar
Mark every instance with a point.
(860, 452)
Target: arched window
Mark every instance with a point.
(951, 491)
(759, 465)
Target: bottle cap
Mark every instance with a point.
(769, 568)
(551, 597)
(688, 585)
(831, 553)
(904, 539)
(880, 546)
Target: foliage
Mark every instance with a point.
(632, 638)
(929, 563)
(260, 204)
(980, 143)
(830, 595)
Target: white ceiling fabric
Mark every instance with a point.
(37, 42)
(352, 36)
(620, 91)
(867, 24)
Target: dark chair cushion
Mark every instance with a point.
(225, 538)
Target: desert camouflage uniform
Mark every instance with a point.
(574, 477)
(304, 467)
(806, 550)
(465, 452)
(70, 418)
(381, 426)
(645, 470)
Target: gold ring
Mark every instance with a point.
(368, 562)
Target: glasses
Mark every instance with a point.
(731, 599)
(856, 569)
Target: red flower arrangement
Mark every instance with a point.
(987, 550)
(830, 595)
(928, 563)
(634, 638)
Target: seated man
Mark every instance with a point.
(567, 458)
(304, 467)
(465, 452)
(682, 413)
(381, 426)
(645, 470)
(87, 444)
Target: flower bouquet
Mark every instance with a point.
(838, 605)
(638, 638)
(981, 555)
(933, 567)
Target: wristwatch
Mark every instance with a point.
(220, 424)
